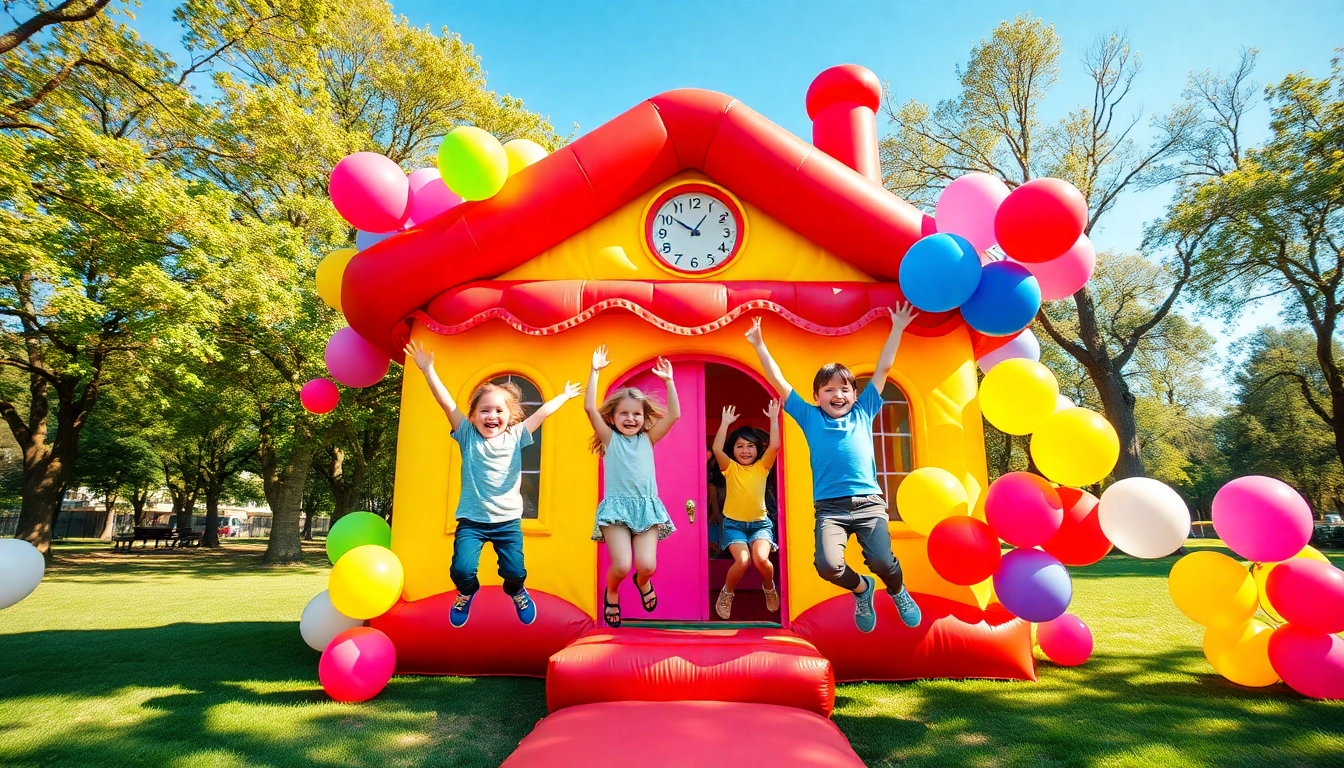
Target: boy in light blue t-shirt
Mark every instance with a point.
(846, 496)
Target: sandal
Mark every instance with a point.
(611, 612)
(650, 598)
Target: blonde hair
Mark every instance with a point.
(513, 400)
(653, 413)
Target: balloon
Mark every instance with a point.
(21, 570)
(1023, 509)
(1066, 275)
(1024, 346)
(473, 163)
(927, 226)
(1261, 519)
(928, 495)
(357, 665)
(1309, 594)
(1076, 447)
(329, 273)
(939, 272)
(1261, 573)
(522, 153)
(429, 196)
(1016, 395)
(967, 206)
(1033, 585)
(365, 582)
(1063, 403)
(1240, 653)
(353, 361)
(964, 550)
(321, 622)
(357, 529)
(366, 240)
(1040, 220)
(1067, 641)
(1310, 662)
(1213, 589)
(319, 396)
(370, 191)
(1004, 302)
(1079, 540)
(1143, 517)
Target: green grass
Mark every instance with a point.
(195, 659)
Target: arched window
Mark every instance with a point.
(531, 487)
(891, 442)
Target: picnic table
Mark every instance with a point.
(169, 537)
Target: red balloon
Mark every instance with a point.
(1067, 641)
(357, 664)
(320, 395)
(1079, 540)
(1308, 593)
(1310, 662)
(1023, 508)
(1040, 220)
(964, 550)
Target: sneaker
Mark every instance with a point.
(771, 600)
(527, 609)
(865, 618)
(724, 605)
(461, 609)
(905, 606)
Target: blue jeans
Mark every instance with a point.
(739, 532)
(470, 538)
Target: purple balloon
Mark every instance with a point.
(354, 361)
(370, 191)
(1024, 345)
(365, 240)
(429, 196)
(1033, 585)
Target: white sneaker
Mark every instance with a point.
(724, 605)
(772, 600)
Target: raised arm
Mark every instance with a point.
(771, 450)
(768, 365)
(720, 437)
(600, 427)
(900, 320)
(663, 370)
(424, 360)
(533, 423)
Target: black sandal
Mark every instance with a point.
(608, 611)
(645, 596)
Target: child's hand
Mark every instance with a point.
(772, 410)
(902, 315)
(729, 415)
(663, 370)
(754, 334)
(600, 360)
(572, 390)
(423, 358)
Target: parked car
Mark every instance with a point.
(1333, 519)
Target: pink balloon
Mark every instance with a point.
(967, 206)
(371, 192)
(927, 226)
(353, 361)
(1067, 641)
(429, 196)
(1040, 220)
(1064, 276)
(1310, 662)
(1023, 509)
(1308, 593)
(1262, 519)
(319, 395)
(1024, 345)
(357, 664)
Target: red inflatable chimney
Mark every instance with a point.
(842, 104)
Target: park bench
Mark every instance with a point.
(146, 534)
(189, 537)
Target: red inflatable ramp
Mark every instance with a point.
(765, 666)
(675, 734)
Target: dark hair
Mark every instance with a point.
(752, 435)
(830, 371)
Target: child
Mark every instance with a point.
(846, 496)
(747, 529)
(631, 518)
(491, 505)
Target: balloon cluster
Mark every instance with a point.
(1039, 226)
(366, 580)
(21, 570)
(1265, 521)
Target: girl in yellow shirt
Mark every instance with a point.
(747, 531)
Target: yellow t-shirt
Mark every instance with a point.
(745, 500)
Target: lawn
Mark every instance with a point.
(195, 659)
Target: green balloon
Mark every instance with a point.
(473, 163)
(355, 530)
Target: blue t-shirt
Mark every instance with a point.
(841, 449)
(492, 473)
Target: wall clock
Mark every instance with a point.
(694, 228)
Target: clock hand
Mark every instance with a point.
(696, 231)
(682, 223)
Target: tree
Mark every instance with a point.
(367, 433)
(113, 461)
(68, 12)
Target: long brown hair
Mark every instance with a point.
(513, 400)
(653, 413)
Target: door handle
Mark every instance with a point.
(690, 510)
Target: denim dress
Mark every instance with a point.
(631, 497)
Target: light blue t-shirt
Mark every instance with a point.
(841, 449)
(492, 474)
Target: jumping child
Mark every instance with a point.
(490, 508)
(747, 530)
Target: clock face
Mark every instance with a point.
(694, 228)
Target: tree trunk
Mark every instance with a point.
(284, 492)
(109, 527)
(138, 503)
(211, 537)
(1118, 403)
(307, 526)
(41, 494)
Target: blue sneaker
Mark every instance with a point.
(527, 609)
(905, 606)
(865, 618)
(461, 610)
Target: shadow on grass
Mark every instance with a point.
(104, 565)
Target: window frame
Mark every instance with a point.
(879, 452)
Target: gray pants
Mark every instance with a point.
(866, 518)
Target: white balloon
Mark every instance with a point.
(21, 569)
(321, 622)
(1023, 345)
(1063, 403)
(1144, 517)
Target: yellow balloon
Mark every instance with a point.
(522, 153)
(329, 273)
(1075, 447)
(1016, 395)
(366, 581)
(1261, 573)
(1213, 589)
(1240, 653)
(928, 495)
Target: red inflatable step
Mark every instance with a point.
(675, 734)
(767, 666)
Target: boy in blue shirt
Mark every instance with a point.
(846, 496)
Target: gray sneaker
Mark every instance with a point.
(905, 606)
(865, 618)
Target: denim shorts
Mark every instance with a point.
(738, 532)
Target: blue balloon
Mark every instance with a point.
(940, 272)
(369, 239)
(1033, 585)
(1005, 302)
